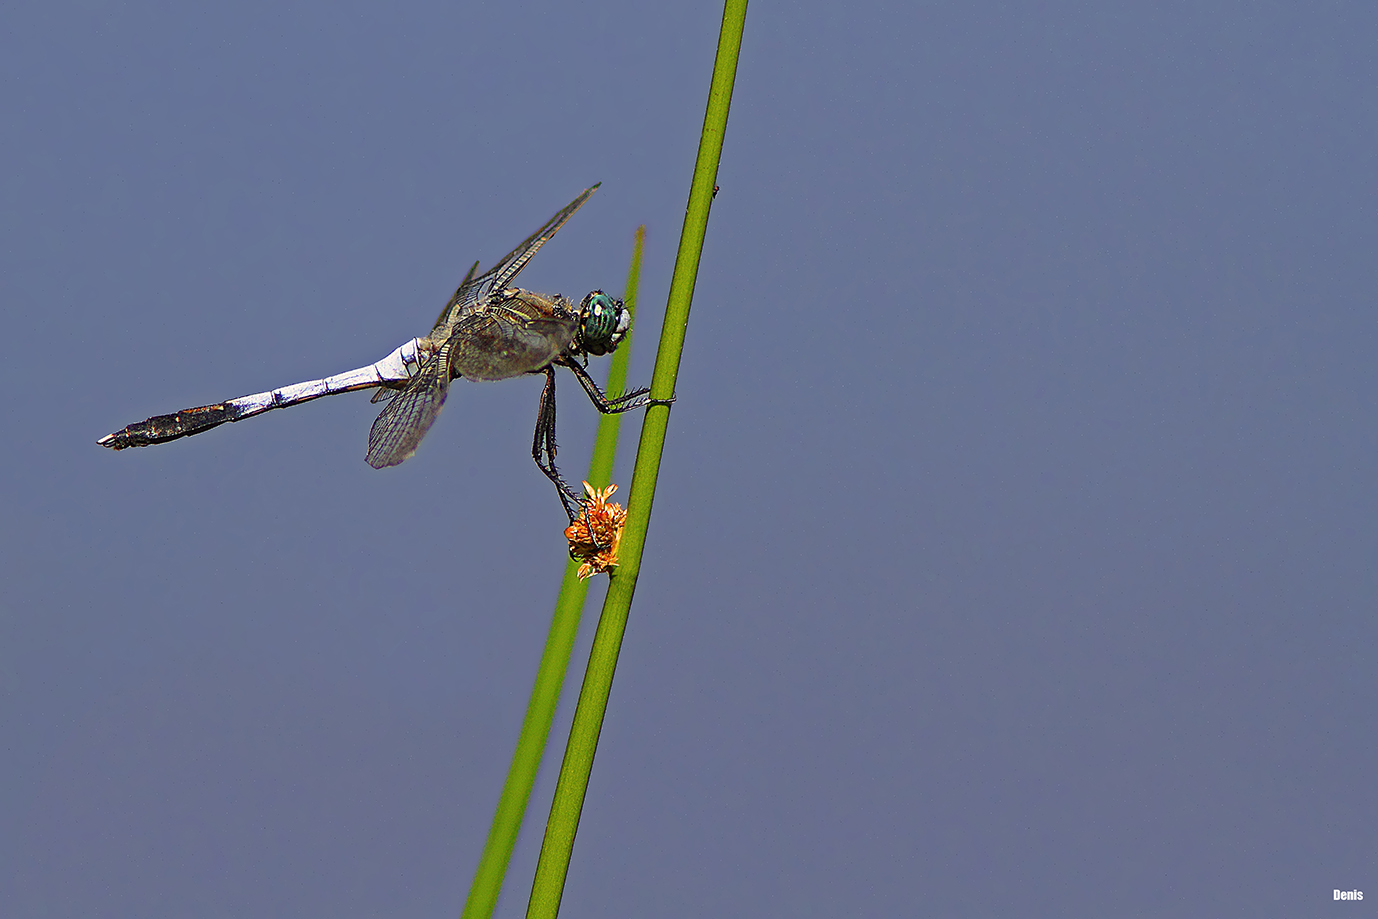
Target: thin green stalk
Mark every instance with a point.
(559, 645)
(553, 867)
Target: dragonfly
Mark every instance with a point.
(489, 330)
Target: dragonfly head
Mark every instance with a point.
(603, 322)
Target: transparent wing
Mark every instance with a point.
(475, 290)
(457, 298)
(503, 342)
(399, 427)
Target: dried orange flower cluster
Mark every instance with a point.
(595, 534)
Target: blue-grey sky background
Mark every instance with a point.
(1014, 551)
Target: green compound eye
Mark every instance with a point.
(603, 322)
(600, 318)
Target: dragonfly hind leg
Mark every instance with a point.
(543, 448)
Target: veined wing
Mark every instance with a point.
(508, 339)
(399, 427)
(457, 298)
(474, 290)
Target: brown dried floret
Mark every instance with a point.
(596, 533)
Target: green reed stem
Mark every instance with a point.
(559, 645)
(553, 866)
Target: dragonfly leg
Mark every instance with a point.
(543, 448)
(616, 405)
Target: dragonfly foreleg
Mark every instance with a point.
(609, 406)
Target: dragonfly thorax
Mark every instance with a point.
(603, 322)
